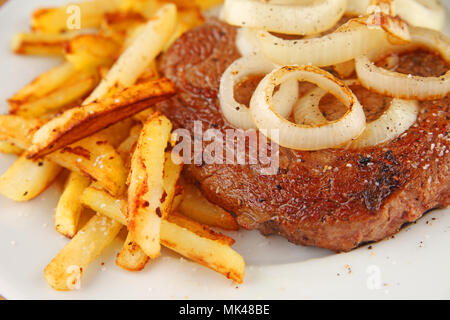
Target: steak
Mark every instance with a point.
(337, 199)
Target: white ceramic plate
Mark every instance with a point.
(413, 265)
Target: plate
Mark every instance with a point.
(414, 264)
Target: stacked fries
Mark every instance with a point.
(92, 116)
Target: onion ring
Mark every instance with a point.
(303, 137)
(398, 118)
(350, 40)
(238, 114)
(404, 86)
(300, 18)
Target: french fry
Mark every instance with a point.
(42, 44)
(118, 25)
(138, 56)
(118, 133)
(88, 14)
(27, 179)
(78, 123)
(91, 51)
(211, 253)
(64, 271)
(207, 4)
(131, 257)
(10, 148)
(198, 208)
(93, 156)
(146, 192)
(18, 130)
(77, 88)
(145, 7)
(69, 207)
(126, 147)
(42, 85)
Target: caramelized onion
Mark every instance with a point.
(306, 137)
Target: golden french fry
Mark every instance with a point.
(199, 229)
(126, 147)
(93, 157)
(138, 56)
(27, 179)
(118, 133)
(78, 123)
(17, 130)
(42, 85)
(145, 7)
(146, 192)
(81, 15)
(131, 257)
(198, 208)
(41, 43)
(216, 255)
(79, 87)
(208, 4)
(69, 207)
(91, 51)
(118, 25)
(65, 270)
(10, 148)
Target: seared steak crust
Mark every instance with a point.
(336, 199)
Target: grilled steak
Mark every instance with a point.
(336, 199)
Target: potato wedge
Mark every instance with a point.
(89, 14)
(91, 51)
(67, 94)
(42, 85)
(41, 44)
(131, 257)
(78, 123)
(27, 179)
(146, 192)
(138, 56)
(211, 253)
(10, 148)
(64, 271)
(93, 157)
(69, 207)
(118, 133)
(198, 208)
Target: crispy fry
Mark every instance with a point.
(93, 156)
(42, 44)
(65, 270)
(77, 88)
(42, 85)
(198, 208)
(146, 192)
(91, 51)
(131, 257)
(208, 4)
(118, 133)
(77, 123)
(10, 148)
(213, 254)
(88, 14)
(199, 229)
(26, 179)
(138, 56)
(126, 147)
(69, 207)
(18, 130)
(146, 7)
(118, 25)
